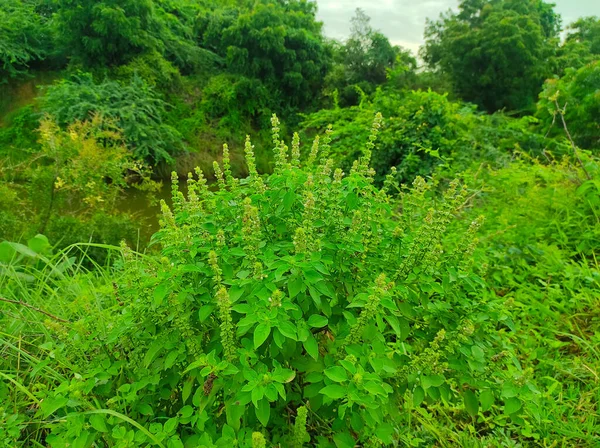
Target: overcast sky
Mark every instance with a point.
(403, 21)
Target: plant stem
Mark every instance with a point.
(20, 302)
(573, 145)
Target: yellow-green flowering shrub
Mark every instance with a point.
(306, 308)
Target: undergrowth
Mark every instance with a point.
(311, 307)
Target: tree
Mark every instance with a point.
(107, 32)
(581, 46)
(366, 61)
(586, 31)
(23, 34)
(279, 43)
(576, 96)
(496, 52)
(368, 53)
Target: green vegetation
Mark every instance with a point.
(483, 52)
(416, 266)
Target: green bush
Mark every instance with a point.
(135, 107)
(577, 96)
(302, 306)
(23, 37)
(540, 243)
(424, 130)
(68, 189)
(154, 69)
(20, 135)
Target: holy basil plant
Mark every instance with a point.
(304, 308)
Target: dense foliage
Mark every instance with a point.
(425, 130)
(68, 188)
(313, 307)
(23, 35)
(576, 96)
(365, 61)
(418, 266)
(280, 44)
(135, 108)
(481, 48)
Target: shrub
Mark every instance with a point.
(301, 306)
(135, 107)
(153, 68)
(424, 130)
(69, 188)
(23, 37)
(577, 96)
(20, 134)
(540, 244)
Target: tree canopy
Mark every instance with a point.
(496, 52)
(280, 43)
(23, 37)
(365, 60)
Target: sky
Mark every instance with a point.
(403, 21)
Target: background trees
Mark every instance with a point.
(364, 62)
(497, 52)
(107, 32)
(23, 37)
(577, 96)
(280, 44)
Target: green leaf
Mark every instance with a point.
(171, 425)
(295, 286)
(23, 250)
(52, 404)
(336, 373)
(316, 296)
(344, 440)
(39, 244)
(312, 276)
(418, 396)
(7, 252)
(257, 393)
(153, 350)
(261, 333)
(512, 405)
(375, 388)
(432, 381)
(288, 330)
(317, 321)
(486, 398)
(97, 422)
(160, 293)
(406, 309)
(288, 200)
(186, 411)
(312, 347)
(235, 293)
(333, 391)
(263, 411)
(284, 375)
(471, 403)
(187, 389)
(478, 353)
(145, 409)
(205, 312)
(234, 413)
